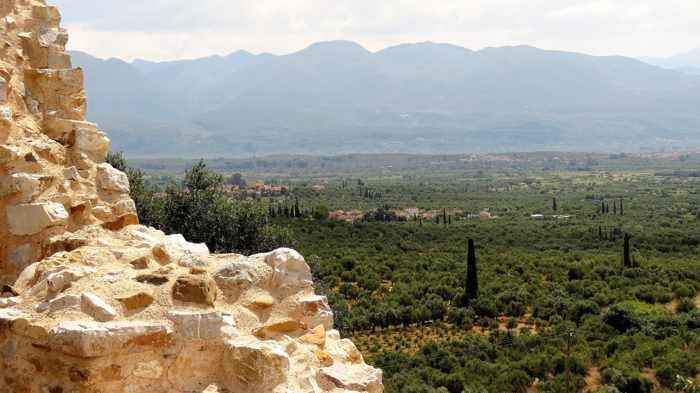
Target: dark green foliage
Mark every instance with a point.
(237, 180)
(472, 281)
(626, 380)
(561, 274)
(626, 255)
(320, 212)
(621, 319)
(198, 208)
(622, 208)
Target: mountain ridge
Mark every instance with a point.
(338, 97)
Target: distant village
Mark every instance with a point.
(241, 190)
(409, 214)
(257, 190)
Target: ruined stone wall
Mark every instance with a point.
(92, 302)
(51, 177)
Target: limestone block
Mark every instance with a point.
(97, 308)
(25, 185)
(28, 276)
(314, 310)
(58, 59)
(8, 316)
(194, 366)
(152, 279)
(175, 249)
(10, 153)
(195, 289)
(124, 206)
(59, 92)
(61, 278)
(38, 55)
(355, 377)
(47, 14)
(146, 238)
(6, 302)
(201, 325)
(261, 301)
(344, 349)
(71, 173)
(92, 339)
(21, 256)
(135, 301)
(317, 336)
(121, 222)
(111, 179)
(10, 21)
(63, 130)
(92, 142)
(64, 301)
(252, 366)
(148, 370)
(290, 269)
(235, 277)
(28, 219)
(4, 90)
(28, 328)
(324, 358)
(282, 326)
(47, 37)
(5, 112)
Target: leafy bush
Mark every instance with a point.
(198, 208)
(621, 319)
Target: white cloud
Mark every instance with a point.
(170, 29)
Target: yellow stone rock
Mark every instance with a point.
(316, 336)
(324, 357)
(26, 328)
(283, 326)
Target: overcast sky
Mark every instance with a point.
(176, 29)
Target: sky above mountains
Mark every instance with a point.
(179, 29)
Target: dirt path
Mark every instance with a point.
(592, 380)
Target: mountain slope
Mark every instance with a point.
(337, 97)
(683, 60)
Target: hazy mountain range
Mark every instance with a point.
(688, 62)
(337, 97)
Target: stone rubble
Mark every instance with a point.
(93, 302)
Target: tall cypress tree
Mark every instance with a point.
(615, 207)
(626, 257)
(622, 209)
(472, 284)
(554, 203)
(444, 216)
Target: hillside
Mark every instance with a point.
(337, 97)
(687, 60)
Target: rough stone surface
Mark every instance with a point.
(135, 301)
(251, 365)
(32, 218)
(193, 324)
(93, 302)
(195, 289)
(111, 179)
(97, 308)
